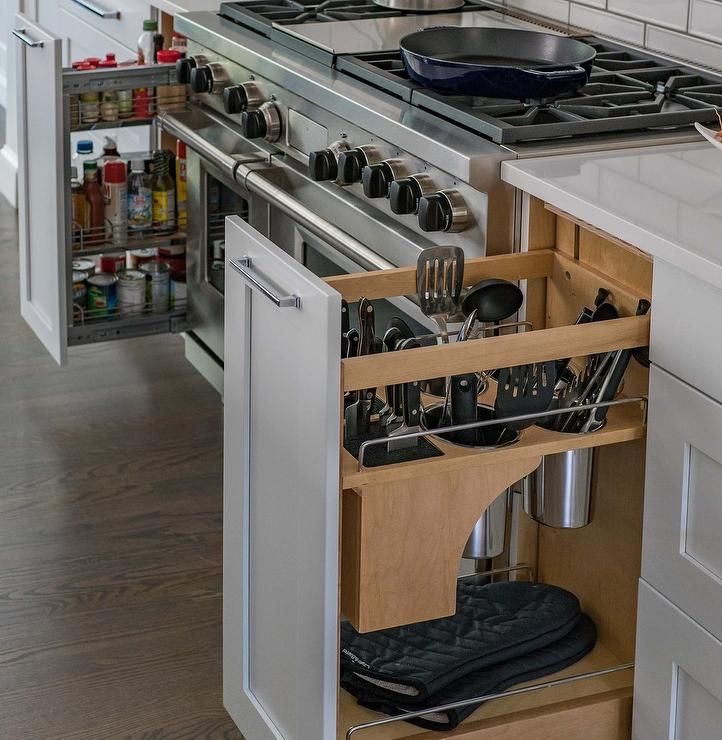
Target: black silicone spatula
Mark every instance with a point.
(524, 389)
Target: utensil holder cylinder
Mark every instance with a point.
(488, 538)
(559, 493)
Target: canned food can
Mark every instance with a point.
(139, 257)
(178, 291)
(157, 286)
(102, 295)
(84, 265)
(80, 289)
(174, 256)
(131, 292)
(112, 262)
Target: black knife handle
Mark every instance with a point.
(463, 406)
(345, 317)
(367, 345)
(412, 404)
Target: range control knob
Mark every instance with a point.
(322, 165)
(237, 98)
(263, 123)
(404, 194)
(378, 177)
(443, 211)
(352, 162)
(201, 79)
(183, 68)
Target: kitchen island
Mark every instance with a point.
(667, 204)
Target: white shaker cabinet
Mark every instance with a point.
(40, 185)
(678, 681)
(281, 511)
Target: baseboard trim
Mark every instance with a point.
(9, 175)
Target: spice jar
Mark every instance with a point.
(110, 107)
(125, 103)
(89, 107)
(170, 97)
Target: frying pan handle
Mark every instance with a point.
(575, 71)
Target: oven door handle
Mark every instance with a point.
(254, 181)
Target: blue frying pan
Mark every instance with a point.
(497, 62)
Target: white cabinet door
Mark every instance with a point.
(678, 674)
(682, 544)
(41, 185)
(281, 495)
(82, 40)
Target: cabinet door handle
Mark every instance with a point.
(97, 10)
(243, 267)
(19, 33)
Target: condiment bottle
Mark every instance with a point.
(140, 198)
(145, 42)
(163, 194)
(179, 43)
(158, 44)
(94, 205)
(181, 184)
(115, 192)
(141, 102)
(110, 153)
(170, 97)
(83, 152)
(77, 204)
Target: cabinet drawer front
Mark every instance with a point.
(686, 331)
(682, 546)
(125, 30)
(82, 40)
(678, 674)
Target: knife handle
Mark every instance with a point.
(463, 406)
(412, 404)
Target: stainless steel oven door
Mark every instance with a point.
(324, 227)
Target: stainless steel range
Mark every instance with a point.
(306, 123)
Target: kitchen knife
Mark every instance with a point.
(463, 406)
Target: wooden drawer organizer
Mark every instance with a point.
(404, 526)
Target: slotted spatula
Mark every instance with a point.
(439, 281)
(525, 389)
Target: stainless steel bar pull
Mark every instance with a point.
(243, 267)
(97, 10)
(19, 33)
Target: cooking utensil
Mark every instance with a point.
(587, 388)
(525, 389)
(411, 402)
(463, 406)
(439, 281)
(488, 538)
(352, 341)
(613, 378)
(479, 382)
(391, 336)
(358, 412)
(493, 299)
(421, 6)
(345, 326)
(497, 62)
(404, 332)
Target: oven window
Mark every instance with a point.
(221, 202)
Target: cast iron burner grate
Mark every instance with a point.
(260, 15)
(625, 93)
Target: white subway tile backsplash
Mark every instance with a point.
(663, 12)
(684, 47)
(558, 10)
(688, 29)
(607, 24)
(706, 19)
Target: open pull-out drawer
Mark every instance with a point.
(293, 493)
(405, 524)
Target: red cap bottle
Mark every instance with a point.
(168, 56)
(115, 171)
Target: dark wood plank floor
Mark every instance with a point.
(110, 537)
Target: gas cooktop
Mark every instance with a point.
(627, 91)
(261, 16)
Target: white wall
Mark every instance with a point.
(688, 29)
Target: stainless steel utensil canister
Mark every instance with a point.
(559, 493)
(488, 538)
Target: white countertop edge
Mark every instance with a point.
(647, 241)
(185, 6)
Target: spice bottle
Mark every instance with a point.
(181, 184)
(83, 152)
(110, 106)
(163, 194)
(77, 204)
(115, 193)
(140, 198)
(145, 42)
(89, 107)
(110, 153)
(94, 205)
(170, 97)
